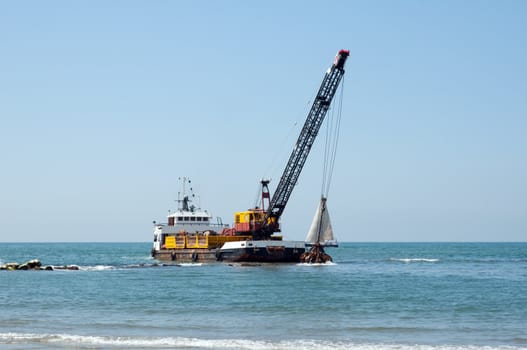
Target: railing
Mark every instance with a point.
(199, 241)
(188, 223)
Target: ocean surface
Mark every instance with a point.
(374, 296)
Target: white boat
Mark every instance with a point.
(187, 219)
(193, 235)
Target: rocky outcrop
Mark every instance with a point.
(30, 265)
(35, 265)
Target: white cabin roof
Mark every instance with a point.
(184, 213)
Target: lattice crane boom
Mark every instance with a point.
(305, 140)
(262, 223)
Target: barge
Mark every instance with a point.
(193, 235)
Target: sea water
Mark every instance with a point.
(374, 296)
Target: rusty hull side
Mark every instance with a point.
(186, 255)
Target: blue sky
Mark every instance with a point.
(103, 105)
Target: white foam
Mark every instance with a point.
(80, 341)
(115, 267)
(410, 260)
(329, 263)
(96, 268)
(189, 264)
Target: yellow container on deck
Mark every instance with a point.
(170, 242)
(200, 241)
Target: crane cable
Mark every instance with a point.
(332, 140)
(278, 157)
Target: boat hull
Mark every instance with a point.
(261, 251)
(185, 255)
(243, 251)
(250, 255)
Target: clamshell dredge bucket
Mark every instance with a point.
(316, 255)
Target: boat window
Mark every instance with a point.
(198, 218)
(179, 218)
(192, 218)
(205, 219)
(186, 218)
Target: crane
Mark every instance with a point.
(261, 223)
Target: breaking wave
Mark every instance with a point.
(90, 342)
(329, 263)
(411, 260)
(189, 264)
(97, 268)
(118, 267)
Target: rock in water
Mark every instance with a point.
(34, 264)
(10, 266)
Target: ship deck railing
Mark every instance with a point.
(193, 241)
(190, 223)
